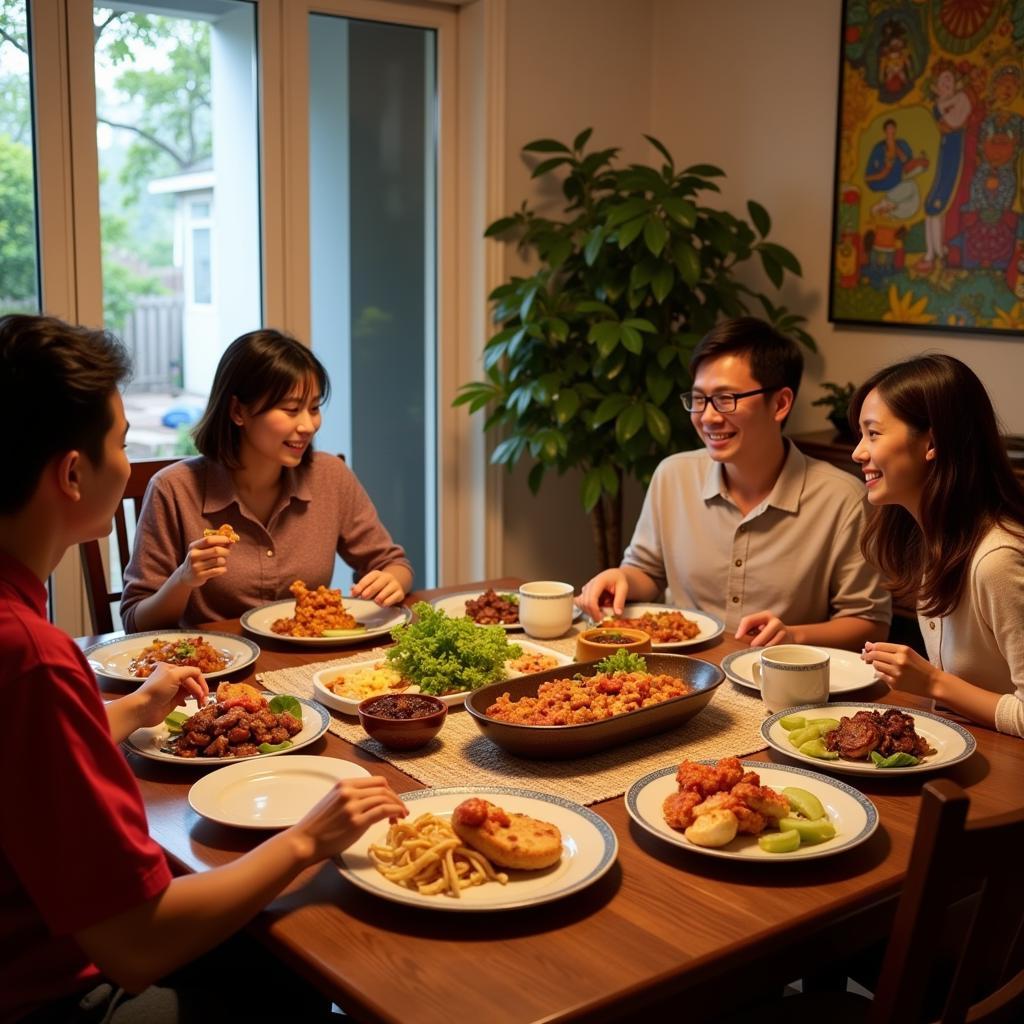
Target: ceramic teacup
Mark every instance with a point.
(792, 674)
(545, 608)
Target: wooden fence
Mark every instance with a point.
(153, 336)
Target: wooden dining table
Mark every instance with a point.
(665, 930)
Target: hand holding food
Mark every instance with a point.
(901, 668)
(764, 628)
(345, 813)
(205, 559)
(596, 591)
(381, 586)
(226, 531)
(166, 688)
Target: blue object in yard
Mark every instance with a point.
(181, 416)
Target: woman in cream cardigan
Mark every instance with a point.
(950, 533)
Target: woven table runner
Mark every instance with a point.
(460, 755)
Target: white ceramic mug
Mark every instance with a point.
(545, 608)
(792, 674)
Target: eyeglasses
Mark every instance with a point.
(694, 401)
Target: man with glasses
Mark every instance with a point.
(750, 529)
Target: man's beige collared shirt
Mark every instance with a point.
(796, 554)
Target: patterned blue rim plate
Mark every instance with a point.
(589, 848)
(110, 658)
(952, 742)
(378, 621)
(853, 814)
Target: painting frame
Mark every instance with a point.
(928, 180)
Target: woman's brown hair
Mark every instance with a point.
(970, 486)
(259, 369)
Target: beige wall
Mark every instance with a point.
(571, 64)
(744, 84)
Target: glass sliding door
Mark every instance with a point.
(19, 273)
(373, 246)
(177, 140)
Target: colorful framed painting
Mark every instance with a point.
(928, 221)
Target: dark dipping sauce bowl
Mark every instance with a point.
(601, 642)
(402, 721)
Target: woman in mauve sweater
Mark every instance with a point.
(950, 532)
(287, 509)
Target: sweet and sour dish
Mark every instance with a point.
(315, 611)
(661, 627)
(193, 651)
(715, 803)
(240, 723)
(581, 699)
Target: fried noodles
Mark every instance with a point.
(427, 857)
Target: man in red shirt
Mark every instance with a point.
(85, 894)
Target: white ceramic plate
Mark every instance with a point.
(846, 670)
(853, 814)
(454, 606)
(952, 742)
(350, 706)
(271, 794)
(589, 848)
(112, 657)
(148, 743)
(377, 621)
(710, 625)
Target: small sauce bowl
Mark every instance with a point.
(402, 721)
(602, 641)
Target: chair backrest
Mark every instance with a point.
(974, 866)
(97, 582)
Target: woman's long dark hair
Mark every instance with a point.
(259, 369)
(970, 485)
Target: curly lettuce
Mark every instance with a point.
(444, 655)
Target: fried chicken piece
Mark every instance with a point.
(708, 779)
(748, 820)
(762, 799)
(678, 809)
(507, 839)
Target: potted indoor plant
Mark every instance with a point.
(593, 347)
(837, 400)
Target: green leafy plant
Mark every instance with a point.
(594, 346)
(837, 400)
(443, 655)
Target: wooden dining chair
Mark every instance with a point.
(973, 971)
(97, 578)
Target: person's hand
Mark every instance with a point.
(763, 629)
(205, 558)
(900, 667)
(167, 688)
(380, 586)
(606, 588)
(345, 813)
